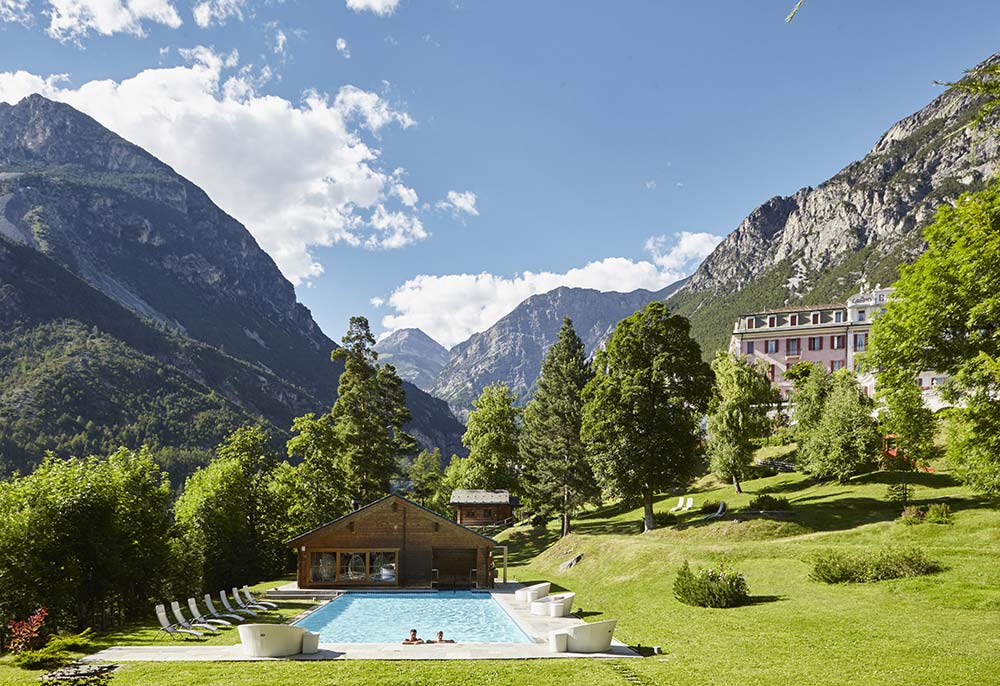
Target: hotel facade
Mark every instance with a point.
(833, 336)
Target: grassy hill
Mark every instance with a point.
(940, 629)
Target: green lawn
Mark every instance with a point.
(941, 629)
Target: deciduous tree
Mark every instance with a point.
(492, 436)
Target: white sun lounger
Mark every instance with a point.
(679, 506)
(583, 638)
(546, 606)
(256, 607)
(688, 505)
(248, 596)
(175, 607)
(199, 616)
(220, 615)
(229, 608)
(169, 629)
(529, 593)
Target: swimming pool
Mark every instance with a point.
(465, 616)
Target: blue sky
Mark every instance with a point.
(567, 134)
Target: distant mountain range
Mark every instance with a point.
(512, 350)
(133, 309)
(819, 245)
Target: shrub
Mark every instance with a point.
(888, 563)
(939, 513)
(912, 515)
(765, 501)
(27, 635)
(713, 587)
(56, 653)
(664, 519)
(710, 506)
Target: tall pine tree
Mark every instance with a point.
(557, 476)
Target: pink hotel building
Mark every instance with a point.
(831, 335)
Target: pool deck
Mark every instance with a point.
(536, 627)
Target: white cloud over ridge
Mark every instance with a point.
(15, 11)
(208, 12)
(452, 307)
(459, 204)
(298, 175)
(382, 8)
(71, 20)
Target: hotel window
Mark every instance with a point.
(815, 317)
(793, 320)
(836, 364)
(772, 345)
(815, 342)
(749, 347)
(793, 346)
(772, 321)
(749, 322)
(770, 372)
(838, 316)
(861, 315)
(838, 342)
(937, 381)
(859, 341)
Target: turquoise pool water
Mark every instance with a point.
(465, 616)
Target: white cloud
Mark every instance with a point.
(343, 48)
(208, 12)
(650, 185)
(459, 203)
(377, 301)
(280, 41)
(298, 175)
(70, 20)
(682, 252)
(15, 11)
(382, 8)
(452, 307)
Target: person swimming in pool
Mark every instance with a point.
(413, 640)
(441, 639)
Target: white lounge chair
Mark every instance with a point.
(248, 596)
(714, 515)
(171, 630)
(220, 615)
(583, 638)
(544, 606)
(234, 610)
(530, 593)
(199, 616)
(256, 607)
(276, 640)
(679, 506)
(182, 621)
(688, 505)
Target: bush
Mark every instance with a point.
(713, 587)
(765, 501)
(912, 515)
(710, 506)
(888, 563)
(58, 652)
(939, 513)
(27, 635)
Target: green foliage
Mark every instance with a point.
(846, 439)
(556, 475)
(768, 502)
(719, 586)
(737, 415)
(232, 524)
(492, 436)
(426, 481)
(835, 567)
(939, 513)
(641, 418)
(810, 388)
(912, 514)
(87, 538)
(57, 652)
(710, 506)
(943, 317)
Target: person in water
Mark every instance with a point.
(440, 639)
(413, 640)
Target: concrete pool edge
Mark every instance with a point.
(535, 627)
